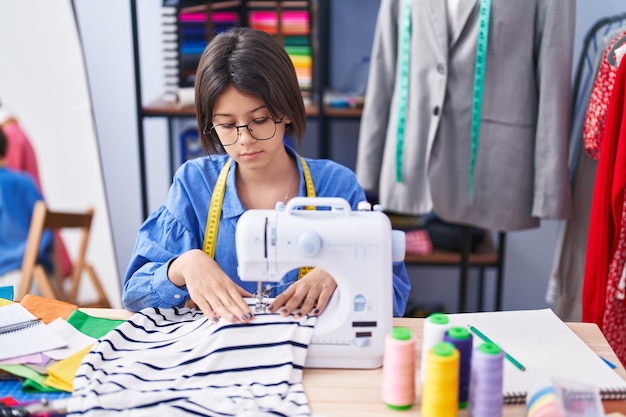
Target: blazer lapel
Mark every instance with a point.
(437, 13)
(460, 17)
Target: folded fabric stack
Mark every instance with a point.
(48, 374)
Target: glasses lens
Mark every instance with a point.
(226, 134)
(262, 129)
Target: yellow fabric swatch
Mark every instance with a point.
(61, 374)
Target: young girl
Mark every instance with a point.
(247, 101)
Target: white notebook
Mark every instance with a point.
(21, 333)
(546, 346)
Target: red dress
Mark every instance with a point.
(606, 247)
(595, 116)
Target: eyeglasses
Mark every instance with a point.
(263, 128)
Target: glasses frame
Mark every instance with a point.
(212, 131)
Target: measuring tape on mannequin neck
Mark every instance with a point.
(404, 49)
(479, 81)
(215, 209)
(404, 67)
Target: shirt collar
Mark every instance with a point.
(231, 205)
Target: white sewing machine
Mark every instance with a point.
(355, 247)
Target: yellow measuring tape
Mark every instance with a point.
(215, 209)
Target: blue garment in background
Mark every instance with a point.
(18, 194)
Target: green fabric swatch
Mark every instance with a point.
(95, 327)
(33, 381)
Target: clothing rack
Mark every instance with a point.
(459, 245)
(486, 256)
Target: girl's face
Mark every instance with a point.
(233, 108)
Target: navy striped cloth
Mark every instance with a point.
(176, 362)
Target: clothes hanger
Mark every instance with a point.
(611, 57)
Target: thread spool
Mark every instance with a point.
(398, 388)
(435, 327)
(461, 338)
(487, 375)
(440, 393)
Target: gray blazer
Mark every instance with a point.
(521, 171)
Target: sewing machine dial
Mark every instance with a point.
(309, 244)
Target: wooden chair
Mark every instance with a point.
(53, 287)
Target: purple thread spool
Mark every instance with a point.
(487, 381)
(461, 338)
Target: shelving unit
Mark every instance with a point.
(482, 256)
(189, 25)
(489, 256)
(160, 108)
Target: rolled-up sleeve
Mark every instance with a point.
(401, 288)
(160, 240)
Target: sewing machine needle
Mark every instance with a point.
(260, 298)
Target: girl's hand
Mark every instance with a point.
(308, 295)
(215, 294)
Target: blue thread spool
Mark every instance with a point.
(461, 338)
(487, 377)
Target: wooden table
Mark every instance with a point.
(357, 392)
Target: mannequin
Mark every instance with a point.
(521, 168)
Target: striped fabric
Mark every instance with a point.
(175, 362)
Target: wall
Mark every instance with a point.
(109, 59)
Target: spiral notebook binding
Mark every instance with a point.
(16, 327)
(515, 397)
(606, 394)
(609, 394)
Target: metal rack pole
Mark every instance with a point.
(139, 108)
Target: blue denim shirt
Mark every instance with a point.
(179, 225)
(18, 195)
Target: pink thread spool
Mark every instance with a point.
(398, 388)
(486, 381)
(440, 393)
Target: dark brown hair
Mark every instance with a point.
(254, 63)
(4, 144)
